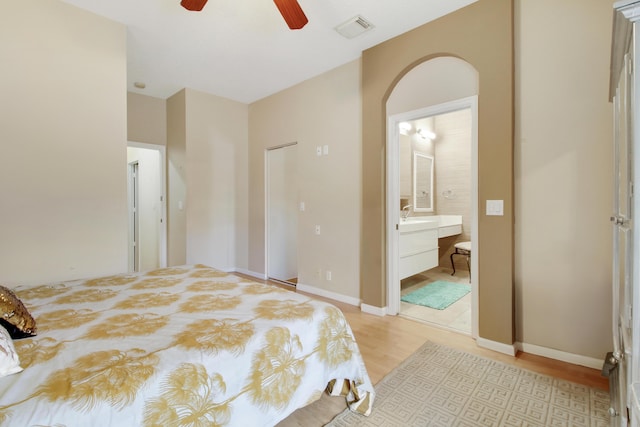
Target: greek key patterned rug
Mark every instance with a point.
(440, 386)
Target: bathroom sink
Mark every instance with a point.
(447, 225)
(418, 223)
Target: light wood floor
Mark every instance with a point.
(385, 342)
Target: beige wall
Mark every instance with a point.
(563, 148)
(481, 34)
(176, 179)
(63, 136)
(146, 119)
(217, 141)
(439, 80)
(321, 111)
(207, 200)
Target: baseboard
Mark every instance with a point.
(511, 350)
(563, 356)
(500, 347)
(372, 309)
(308, 289)
(328, 294)
(261, 276)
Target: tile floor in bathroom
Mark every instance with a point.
(456, 317)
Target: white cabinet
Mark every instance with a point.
(419, 241)
(418, 247)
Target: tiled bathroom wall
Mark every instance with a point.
(453, 177)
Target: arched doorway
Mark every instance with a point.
(436, 87)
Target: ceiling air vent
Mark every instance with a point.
(354, 27)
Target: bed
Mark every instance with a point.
(187, 345)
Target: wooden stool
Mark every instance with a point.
(461, 248)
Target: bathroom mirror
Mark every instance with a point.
(422, 182)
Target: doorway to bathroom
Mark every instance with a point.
(425, 282)
(282, 213)
(435, 287)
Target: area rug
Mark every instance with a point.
(438, 295)
(440, 386)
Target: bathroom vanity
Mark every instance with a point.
(419, 241)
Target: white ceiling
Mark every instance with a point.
(243, 49)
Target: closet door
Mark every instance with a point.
(282, 214)
(626, 277)
(622, 242)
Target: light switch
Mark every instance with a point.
(325, 150)
(301, 206)
(318, 151)
(495, 207)
(317, 229)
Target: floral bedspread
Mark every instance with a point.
(178, 346)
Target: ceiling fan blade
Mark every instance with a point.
(193, 5)
(292, 13)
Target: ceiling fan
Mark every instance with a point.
(289, 9)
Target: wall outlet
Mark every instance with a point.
(328, 275)
(325, 150)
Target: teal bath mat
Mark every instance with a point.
(438, 295)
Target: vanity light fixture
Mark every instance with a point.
(426, 134)
(405, 127)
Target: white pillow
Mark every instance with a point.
(9, 362)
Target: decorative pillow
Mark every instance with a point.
(9, 362)
(14, 316)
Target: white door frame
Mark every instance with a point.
(267, 230)
(393, 196)
(132, 208)
(162, 235)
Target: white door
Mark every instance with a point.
(282, 214)
(134, 219)
(623, 247)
